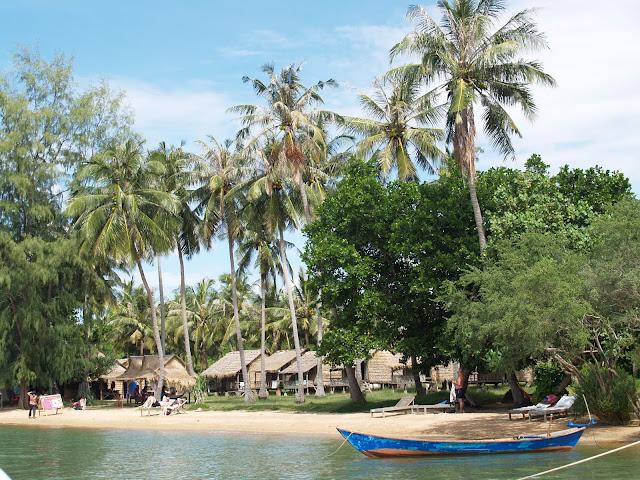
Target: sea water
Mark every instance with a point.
(39, 453)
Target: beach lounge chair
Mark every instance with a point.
(177, 407)
(403, 406)
(525, 410)
(435, 408)
(148, 405)
(561, 408)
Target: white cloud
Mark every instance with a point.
(238, 52)
(592, 116)
(176, 114)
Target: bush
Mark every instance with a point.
(547, 374)
(611, 401)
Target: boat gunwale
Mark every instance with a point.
(559, 434)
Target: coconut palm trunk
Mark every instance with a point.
(320, 374)
(464, 152)
(248, 393)
(263, 321)
(156, 330)
(163, 317)
(294, 320)
(183, 314)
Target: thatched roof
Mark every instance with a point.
(117, 369)
(148, 367)
(382, 366)
(279, 360)
(309, 361)
(229, 365)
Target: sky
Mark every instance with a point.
(181, 64)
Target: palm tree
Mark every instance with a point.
(221, 170)
(203, 309)
(117, 210)
(477, 66)
(258, 248)
(280, 212)
(398, 127)
(129, 318)
(288, 121)
(177, 178)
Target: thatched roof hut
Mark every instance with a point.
(333, 376)
(279, 360)
(229, 365)
(308, 360)
(147, 367)
(386, 368)
(117, 369)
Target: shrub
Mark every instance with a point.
(547, 375)
(609, 395)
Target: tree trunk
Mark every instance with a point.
(466, 372)
(163, 317)
(183, 313)
(415, 371)
(464, 152)
(24, 398)
(564, 383)
(263, 393)
(477, 213)
(517, 393)
(354, 387)
(294, 320)
(320, 374)
(305, 200)
(156, 331)
(248, 393)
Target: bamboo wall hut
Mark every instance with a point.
(385, 368)
(110, 381)
(146, 368)
(333, 377)
(227, 371)
(274, 364)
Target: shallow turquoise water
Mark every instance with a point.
(29, 453)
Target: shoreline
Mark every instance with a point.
(468, 425)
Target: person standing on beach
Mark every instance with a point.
(461, 389)
(33, 404)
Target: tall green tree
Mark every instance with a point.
(177, 179)
(222, 169)
(478, 66)
(258, 249)
(47, 126)
(289, 121)
(399, 127)
(281, 213)
(129, 319)
(116, 209)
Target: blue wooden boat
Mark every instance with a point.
(377, 446)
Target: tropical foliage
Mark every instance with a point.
(545, 275)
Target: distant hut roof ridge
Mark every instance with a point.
(148, 367)
(309, 360)
(279, 360)
(229, 365)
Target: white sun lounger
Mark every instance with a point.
(562, 407)
(404, 405)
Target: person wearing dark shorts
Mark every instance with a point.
(461, 390)
(33, 404)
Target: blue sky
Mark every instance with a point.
(181, 64)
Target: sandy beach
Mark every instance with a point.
(468, 425)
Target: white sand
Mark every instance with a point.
(468, 425)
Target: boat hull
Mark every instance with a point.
(377, 446)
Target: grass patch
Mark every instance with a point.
(339, 402)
